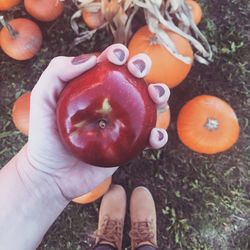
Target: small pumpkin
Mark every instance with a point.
(21, 38)
(163, 118)
(108, 10)
(96, 193)
(44, 10)
(207, 124)
(196, 10)
(165, 67)
(8, 4)
(93, 19)
(21, 113)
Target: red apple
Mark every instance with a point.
(105, 116)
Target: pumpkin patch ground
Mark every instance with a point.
(202, 201)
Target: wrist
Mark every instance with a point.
(40, 185)
(30, 202)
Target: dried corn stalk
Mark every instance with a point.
(173, 15)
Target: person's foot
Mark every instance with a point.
(111, 218)
(143, 219)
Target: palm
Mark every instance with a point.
(72, 175)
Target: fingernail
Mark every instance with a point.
(80, 59)
(120, 54)
(160, 90)
(140, 64)
(160, 135)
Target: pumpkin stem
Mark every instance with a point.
(154, 40)
(211, 124)
(5, 24)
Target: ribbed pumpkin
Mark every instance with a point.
(165, 67)
(44, 10)
(163, 118)
(22, 40)
(21, 113)
(207, 124)
(96, 193)
(93, 19)
(196, 10)
(8, 4)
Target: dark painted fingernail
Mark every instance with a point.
(120, 54)
(160, 135)
(160, 90)
(80, 59)
(140, 64)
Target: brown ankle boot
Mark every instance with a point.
(143, 219)
(111, 217)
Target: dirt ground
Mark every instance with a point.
(203, 202)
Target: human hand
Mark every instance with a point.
(45, 151)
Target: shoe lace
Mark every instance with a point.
(142, 232)
(110, 231)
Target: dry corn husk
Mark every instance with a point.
(159, 15)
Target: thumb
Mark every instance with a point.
(61, 70)
(52, 81)
(67, 68)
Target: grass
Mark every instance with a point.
(202, 202)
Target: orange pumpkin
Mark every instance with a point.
(110, 8)
(93, 19)
(207, 124)
(21, 113)
(163, 118)
(8, 4)
(96, 193)
(196, 10)
(44, 10)
(22, 39)
(165, 67)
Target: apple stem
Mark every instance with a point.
(5, 24)
(102, 124)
